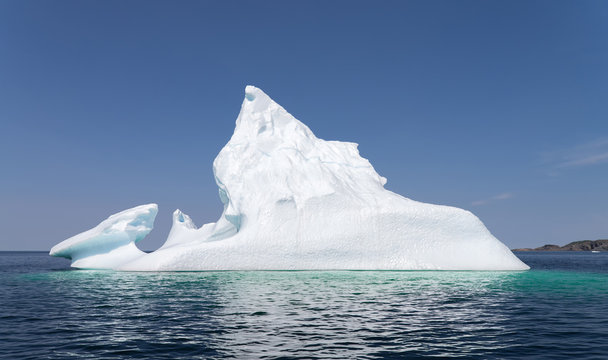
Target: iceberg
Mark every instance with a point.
(293, 201)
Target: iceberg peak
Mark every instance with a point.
(256, 101)
(263, 121)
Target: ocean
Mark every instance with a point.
(557, 310)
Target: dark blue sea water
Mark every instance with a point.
(557, 310)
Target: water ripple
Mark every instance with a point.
(368, 315)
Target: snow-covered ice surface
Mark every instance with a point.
(294, 201)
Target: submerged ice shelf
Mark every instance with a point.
(294, 201)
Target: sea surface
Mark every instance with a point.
(557, 310)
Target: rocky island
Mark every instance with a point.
(583, 245)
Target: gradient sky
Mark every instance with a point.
(498, 107)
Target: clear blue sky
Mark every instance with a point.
(499, 107)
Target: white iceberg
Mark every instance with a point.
(294, 201)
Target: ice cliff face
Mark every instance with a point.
(293, 201)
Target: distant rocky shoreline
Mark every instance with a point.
(583, 245)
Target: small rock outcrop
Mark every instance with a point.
(583, 245)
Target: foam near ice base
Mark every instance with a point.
(293, 201)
